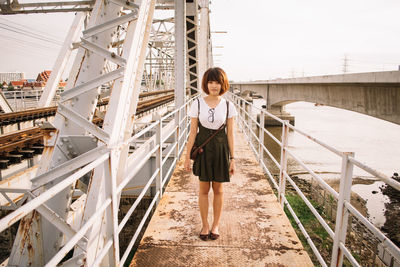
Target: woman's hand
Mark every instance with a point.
(187, 164)
(232, 167)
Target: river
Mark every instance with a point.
(375, 142)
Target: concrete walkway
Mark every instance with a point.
(254, 229)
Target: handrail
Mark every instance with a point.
(245, 122)
(175, 130)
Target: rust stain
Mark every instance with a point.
(175, 215)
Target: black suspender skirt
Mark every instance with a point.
(213, 164)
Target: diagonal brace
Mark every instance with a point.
(82, 122)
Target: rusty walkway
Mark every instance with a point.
(254, 229)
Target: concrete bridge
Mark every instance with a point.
(376, 94)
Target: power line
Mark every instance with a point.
(25, 42)
(32, 29)
(28, 34)
(35, 35)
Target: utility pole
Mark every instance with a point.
(345, 64)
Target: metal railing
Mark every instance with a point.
(23, 99)
(344, 207)
(159, 145)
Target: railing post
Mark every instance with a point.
(243, 115)
(261, 137)
(177, 132)
(159, 156)
(249, 122)
(283, 168)
(342, 213)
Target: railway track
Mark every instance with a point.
(40, 113)
(25, 144)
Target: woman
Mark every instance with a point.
(217, 163)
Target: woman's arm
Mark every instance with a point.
(231, 144)
(192, 137)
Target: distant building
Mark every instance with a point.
(61, 85)
(34, 85)
(11, 76)
(17, 84)
(43, 76)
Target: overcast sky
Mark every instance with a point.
(269, 39)
(264, 39)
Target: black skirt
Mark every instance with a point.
(213, 164)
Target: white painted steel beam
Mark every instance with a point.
(203, 38)
(86, 67)
(111, 56)
(118, 124)
(92, 84)
(109, 24)
(126, 4)
(39, 200)
(70, 114)
(52, 84)
(67, 167)
(4, 105)
(180, 52)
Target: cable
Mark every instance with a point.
(41, 46)
(27, 34)
(31, 28)
(45, 36)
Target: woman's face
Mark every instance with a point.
(214, 88)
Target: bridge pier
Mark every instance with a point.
(280, 112)
(276, 110)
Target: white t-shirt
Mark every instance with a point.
(206, 113)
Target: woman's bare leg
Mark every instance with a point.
(204, 188)
(217, 205)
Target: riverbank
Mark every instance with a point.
(364, 246)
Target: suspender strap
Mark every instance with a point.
(198, 108)
(227, 112)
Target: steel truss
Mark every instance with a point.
(13, 7)
(120, 46)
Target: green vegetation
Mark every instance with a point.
(315, 230)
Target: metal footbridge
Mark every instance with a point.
(109, 156)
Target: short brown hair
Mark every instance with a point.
(218, 75)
